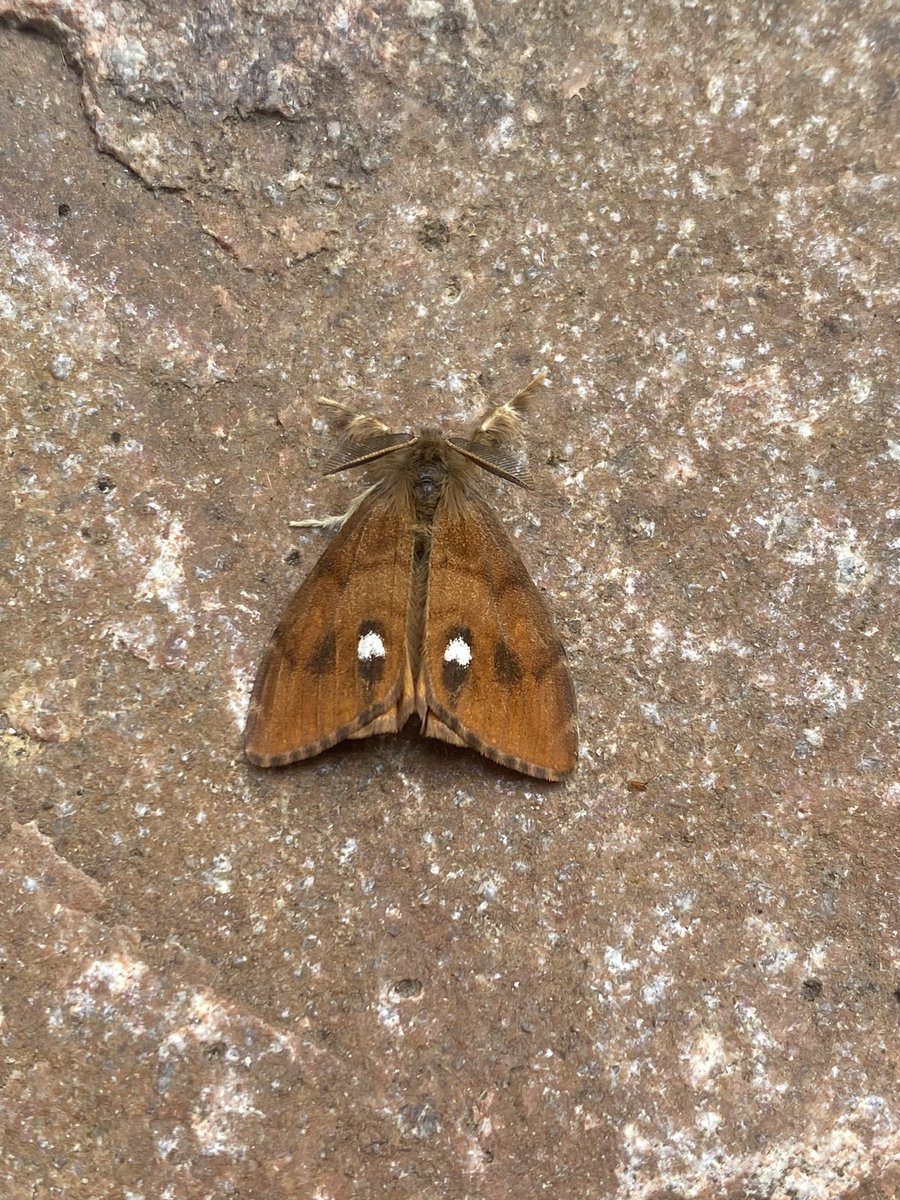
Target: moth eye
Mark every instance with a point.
(371, 652)
(457, 657)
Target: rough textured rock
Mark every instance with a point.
(398, 971)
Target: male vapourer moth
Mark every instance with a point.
(420, 604)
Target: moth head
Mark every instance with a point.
(495, 443)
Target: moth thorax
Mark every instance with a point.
(428, 481)
(427, 477)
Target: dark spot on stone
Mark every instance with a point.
(63, 209)
(104, 484)
(811, 989)
(115, 437)
(407, 989)
(433, 234)
(322, 659)
(507, 665)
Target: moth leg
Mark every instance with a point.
(334, 522)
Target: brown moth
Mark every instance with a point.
(420, 604)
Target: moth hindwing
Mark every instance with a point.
(420, 604)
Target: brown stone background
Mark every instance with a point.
(398, 971)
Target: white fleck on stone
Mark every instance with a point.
(370, 646)
(61, 366)
(458, 651)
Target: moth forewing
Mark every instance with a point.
(337, 666)
(494, 670)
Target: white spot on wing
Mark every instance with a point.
(458, 651)
(370, 646)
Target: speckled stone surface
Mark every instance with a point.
(398, 971)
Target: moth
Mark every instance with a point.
(419, 605)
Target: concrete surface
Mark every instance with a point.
(398, 971)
